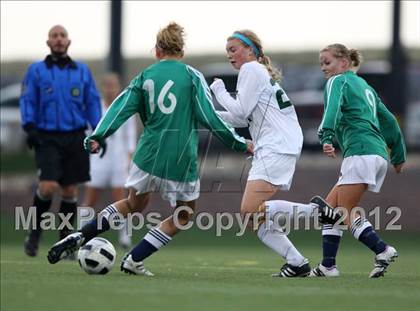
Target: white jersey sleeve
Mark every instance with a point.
(232, 120)
(250, 86)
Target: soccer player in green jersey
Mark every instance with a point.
(364, 129)
(171, 98)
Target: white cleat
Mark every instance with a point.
(382, 261)
(128, 265)
(321, 271)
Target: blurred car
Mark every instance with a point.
(297, 83)
(12, 136)
(412, 125)
(412, 112)
(309, 100)
(304, 85)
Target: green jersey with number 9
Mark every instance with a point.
(357, 118)
(171, 98)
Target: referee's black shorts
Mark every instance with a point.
(61, 157)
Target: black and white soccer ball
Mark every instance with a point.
(97, 256)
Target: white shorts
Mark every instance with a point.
(106, 175)
(169, 190)
(276, 168)
(363, 169)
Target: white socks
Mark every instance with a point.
(275, 239)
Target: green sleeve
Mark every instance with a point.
(333, 99)
(206, 115)
(391, 132)
(129, 102)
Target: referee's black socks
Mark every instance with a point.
(68, 206)
(42, 205)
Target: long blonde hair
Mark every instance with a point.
(170, 40)
(261, 58)
(354, 56)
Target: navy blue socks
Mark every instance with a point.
(330, 242)
(152, 241)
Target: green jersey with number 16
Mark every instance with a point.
(357, 118)
(171, 98)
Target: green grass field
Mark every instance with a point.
(201, 272)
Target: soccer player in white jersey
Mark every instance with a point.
(171, 98)
(263, 105)
(110, 171)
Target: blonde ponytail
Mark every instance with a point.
(341, 51)
(274, 73)
(356, 58)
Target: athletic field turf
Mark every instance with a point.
(198, 271)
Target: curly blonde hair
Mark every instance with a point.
(170, 40)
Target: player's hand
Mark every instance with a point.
(91, 145)
(329, 150)
(217, 85)
(398, 167)
(249, 146)
(94, 146)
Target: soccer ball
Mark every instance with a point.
(97, 256)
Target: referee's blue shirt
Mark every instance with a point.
(57, 97)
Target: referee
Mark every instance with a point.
(59, 100)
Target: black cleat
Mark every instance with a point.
(289, 271)
(65, 248)
(327, 214)
(32, 242)
(63, 234)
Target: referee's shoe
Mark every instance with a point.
(32, 242)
